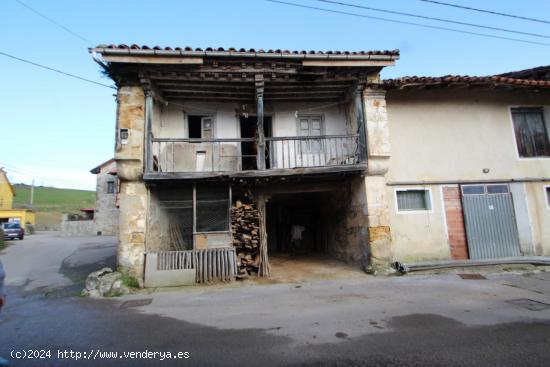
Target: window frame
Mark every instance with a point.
(546, 118)
(309, 149)
(202, 116)
(428, 190)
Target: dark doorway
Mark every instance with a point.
(296, 223)
(249, 129)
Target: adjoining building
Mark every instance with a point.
(469, 173)
(227, 157)
(7, 212)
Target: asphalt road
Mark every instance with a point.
(427, 320)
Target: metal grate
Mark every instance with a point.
(136, 303)
(212, 208)
(472, 276)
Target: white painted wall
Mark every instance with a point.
(453, 135)
(450, 135)
(419, 235)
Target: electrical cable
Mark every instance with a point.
(409, 23)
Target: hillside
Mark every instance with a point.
(51, 199)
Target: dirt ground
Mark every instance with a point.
(286, 268)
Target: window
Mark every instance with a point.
(490, 189)
(497, 189)
(531, 132)
(413, 200)
(110, 187)
(212, 208)
(473, 190)
(310, 126)
(200, 127)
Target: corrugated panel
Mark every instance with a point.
(490, 226)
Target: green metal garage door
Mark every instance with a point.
(490, 221)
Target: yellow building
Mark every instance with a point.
(7, 213)
(6, 191)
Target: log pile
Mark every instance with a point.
(246, 238)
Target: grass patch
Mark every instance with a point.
(51, 199)
(129, 281)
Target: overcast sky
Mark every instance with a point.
(55, 129)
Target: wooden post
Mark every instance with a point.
(362, 142)
(260, 155)
(264, 267)
(148, 131)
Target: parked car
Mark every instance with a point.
(13, 231)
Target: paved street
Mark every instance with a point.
(414, 320)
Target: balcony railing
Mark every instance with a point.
(235, 155)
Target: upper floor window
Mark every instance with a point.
(110, 187)
(200, 127)
(531, 132)
(310, 126)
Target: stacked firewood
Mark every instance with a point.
(246, 238)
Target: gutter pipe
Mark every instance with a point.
(404, 268)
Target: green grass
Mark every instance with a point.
(51, 199)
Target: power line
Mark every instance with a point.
(55, 70)
(486, 11)
(88, 42)
(34, 175)
(410, 23)
(433, 18)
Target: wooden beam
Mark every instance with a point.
(260, 155)
(361, 128)
(268, 173)
(148, 131)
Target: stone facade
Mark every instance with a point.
(379, 153)
(133, 195)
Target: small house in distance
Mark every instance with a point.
(106, 213)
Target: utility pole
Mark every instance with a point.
(32, 194)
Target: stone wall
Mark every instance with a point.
(133, 196)
(77, 228)
(106, 216)
(374, 185)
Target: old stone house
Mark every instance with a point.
(279, 136)
(227, 157)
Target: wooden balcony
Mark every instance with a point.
(291, 155)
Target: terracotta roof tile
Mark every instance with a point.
(243, 50)
(473, 80)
